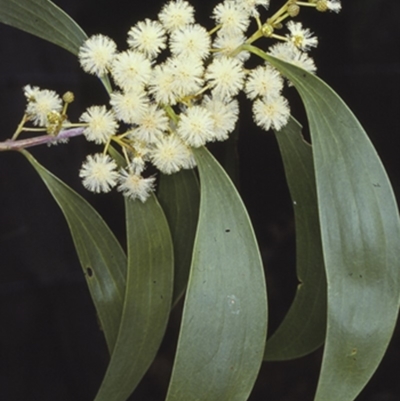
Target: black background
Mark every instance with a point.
(50, 344)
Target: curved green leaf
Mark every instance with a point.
(179, 196)
(147, 300)
(360, 229)
(44, 19)
(303, 329)
(102, 259)
(222, 337)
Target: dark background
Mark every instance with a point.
(50, 344)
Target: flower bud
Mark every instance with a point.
(293, 10)
(68, 97)
(322, 5)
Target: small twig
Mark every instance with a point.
(10, 144)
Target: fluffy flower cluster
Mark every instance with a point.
(175, 87)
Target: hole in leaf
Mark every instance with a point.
(89, 271)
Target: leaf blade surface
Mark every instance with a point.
(303, 328)
(102, 259)
(360, 230)
(147, 301)
(179, 197)
(44, 19)
(223, 328)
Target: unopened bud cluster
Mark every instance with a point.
(175, 87)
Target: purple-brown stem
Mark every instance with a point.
(40, 140)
